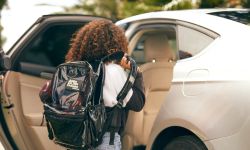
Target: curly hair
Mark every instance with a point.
(96, 40)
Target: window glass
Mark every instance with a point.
(191, 42)
(154, 45)
(242, 16)
(50, 46)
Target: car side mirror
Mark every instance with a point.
(5, 63)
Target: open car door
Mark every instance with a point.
(5, 139)
(32, 61)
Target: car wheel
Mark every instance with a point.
(185, 143)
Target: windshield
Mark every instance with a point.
(242, 16)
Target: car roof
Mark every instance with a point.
(212, 10)
(200, 17)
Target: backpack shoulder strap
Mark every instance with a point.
(128, 84)
(113, 56)
(131, 77)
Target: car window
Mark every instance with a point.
(242, 16)
(191, 42)
(150, 44)
(50, 46)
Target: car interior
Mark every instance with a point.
(154, 50)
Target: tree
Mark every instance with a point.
(179, 5)
(116, 9)
(104, 8)
(2, 4)
(211, 3)
(246, 3)
(138, 7)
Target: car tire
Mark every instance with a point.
(185, 143)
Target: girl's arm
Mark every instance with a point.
(137, 99)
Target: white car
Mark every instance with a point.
(196, 74)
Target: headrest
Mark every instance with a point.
(157, 48)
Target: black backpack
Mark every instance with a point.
(75, 114)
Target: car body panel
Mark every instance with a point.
(239, 140)
(221, 108)
(204, 115)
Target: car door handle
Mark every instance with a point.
(46, 75)
(8, 106)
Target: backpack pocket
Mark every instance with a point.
(97, 119)
(76, 131)
(67, 130)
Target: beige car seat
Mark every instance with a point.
(157, 73)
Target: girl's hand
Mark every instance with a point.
(125, 63)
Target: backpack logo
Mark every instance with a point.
(73, 85)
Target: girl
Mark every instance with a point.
(92, 42)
